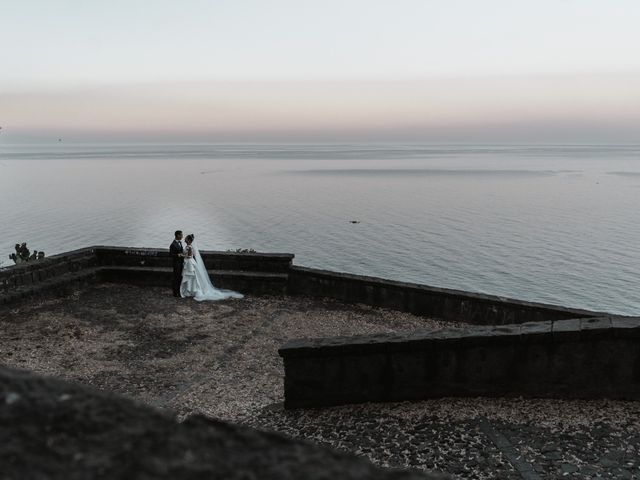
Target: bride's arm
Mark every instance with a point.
(189, 252)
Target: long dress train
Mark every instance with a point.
(196, 282)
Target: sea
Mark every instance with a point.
(545, 223)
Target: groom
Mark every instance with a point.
(176, 251)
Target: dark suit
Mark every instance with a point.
(175, 249)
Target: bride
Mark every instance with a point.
(195, 279)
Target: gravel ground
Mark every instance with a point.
(558, 439)
(220, 359)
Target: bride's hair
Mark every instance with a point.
(191, 237)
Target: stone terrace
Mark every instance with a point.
(220, 359)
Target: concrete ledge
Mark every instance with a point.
(447, 304)
(57, 430)
(578, 358)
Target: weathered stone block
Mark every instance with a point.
(626, 327)
(536, 332)
(566, 330)
(598, 327)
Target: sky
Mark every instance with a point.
(298, 70)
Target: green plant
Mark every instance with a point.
(23, 254)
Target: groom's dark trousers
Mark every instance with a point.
(175, 249)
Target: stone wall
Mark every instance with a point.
(258, 273)
(160, 258)
(63, 273)
(32, 272)
(577, 358)
(473, 308)
(270, 273)
(55, 274)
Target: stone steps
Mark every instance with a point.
(242, 281)
(66, 283)
(232, 261)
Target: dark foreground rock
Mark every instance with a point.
(50, 429)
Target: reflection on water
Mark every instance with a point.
(551, 224)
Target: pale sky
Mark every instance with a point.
(243, 70)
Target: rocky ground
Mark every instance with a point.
(544, 438)
(220, 359)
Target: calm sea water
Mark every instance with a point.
(551, 224)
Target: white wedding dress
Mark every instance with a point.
(196, 282)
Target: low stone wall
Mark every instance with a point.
(577, 358)
(33, 272)
(271, 273)
(258, 273)
(55, 274)
(57, 430)
(473, 308)
(229, 261)
(245, 272)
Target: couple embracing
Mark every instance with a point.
(190, 277)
